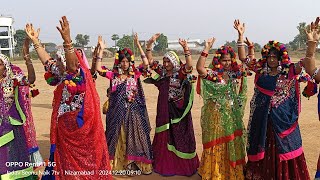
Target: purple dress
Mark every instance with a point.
(174, 144)
(17, 132)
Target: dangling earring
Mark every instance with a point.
(120, 71)
(266, 69)
(131, 70)
(279, 68)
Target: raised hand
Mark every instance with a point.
(136, 39)
(183, 43)
(312, 31)
(316, 23)
(31, 33)
(239, 27)
(64, 29)
(153, 39)
(102, 44)
(248, 42)
(209, 43)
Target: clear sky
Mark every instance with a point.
(194, 19)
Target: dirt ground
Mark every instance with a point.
(41, 108)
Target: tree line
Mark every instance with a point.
(82, 40)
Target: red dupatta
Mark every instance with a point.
(83, 150)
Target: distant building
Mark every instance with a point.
(193, 44)
(6, 22)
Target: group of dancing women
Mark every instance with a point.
(269, 148)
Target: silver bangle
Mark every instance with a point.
(98, 59)
(241, 44)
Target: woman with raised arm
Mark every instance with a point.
(78, 148)
(174, 143)
(84, 57)
(127, 122)
(313, 36)
(17, 132)
(223, 87)
(93, 64)
(274, 140)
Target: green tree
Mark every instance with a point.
(293, 45)
(19, 38)
(161, 43)
(257, 47)
(82, 40)
(115, 38)
(233, 44)
(126, 42)
(302, 36)
(300, 39)
(50, 47)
